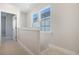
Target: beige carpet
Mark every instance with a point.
(11, 47)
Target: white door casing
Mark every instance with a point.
(14, 27)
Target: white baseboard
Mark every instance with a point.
(28, 50)
(65, 51)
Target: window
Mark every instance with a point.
(45, 19)
(45, 13)
(35, 17)
(41, 20)
(35, 20)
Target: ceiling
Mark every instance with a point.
(24, 7)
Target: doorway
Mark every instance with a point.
(8, 27)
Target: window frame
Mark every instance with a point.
(46, 17)
(39, 19)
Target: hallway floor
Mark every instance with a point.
(11, 47)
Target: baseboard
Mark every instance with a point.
(27, 49)
(66, 51)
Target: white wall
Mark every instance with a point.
(29, 38)
(6, 7)
(65, 26)
(23, 19)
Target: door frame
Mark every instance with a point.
(12, 19)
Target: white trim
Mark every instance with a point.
(28, 50)
(42, 52)
(66, 51)
(0, 29)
